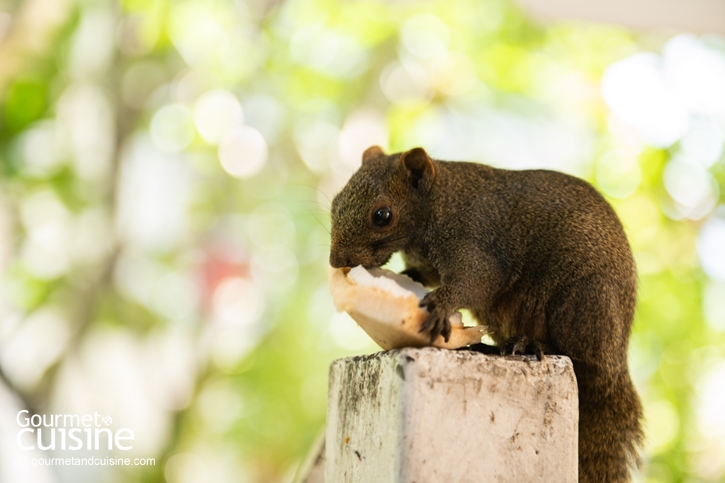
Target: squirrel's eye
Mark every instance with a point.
(382, 216)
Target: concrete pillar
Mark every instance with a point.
(433, 415)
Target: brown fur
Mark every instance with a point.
(538, 256)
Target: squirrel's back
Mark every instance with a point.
(545, 222)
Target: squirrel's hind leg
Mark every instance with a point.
(521, 344)
(518, 344)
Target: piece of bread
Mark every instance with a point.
(385, 305)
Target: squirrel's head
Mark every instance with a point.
(380, 208)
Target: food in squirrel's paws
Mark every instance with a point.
(385, 305)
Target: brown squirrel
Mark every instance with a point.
(538, 256)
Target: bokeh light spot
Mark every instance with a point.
(316, 142)
(172, 128)
(691, 186)
(405, 82)
(237, 302)
(713, 304)
(425, 35)
(710, 246)
(452, 74)
(635, 90)
(697, 74)
(216, 113)
(361, 130)
(703, 143)
(186, 468)
(243, 152)
(618, 174)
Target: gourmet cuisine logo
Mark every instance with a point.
(71, 432)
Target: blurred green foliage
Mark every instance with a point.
(317, 79)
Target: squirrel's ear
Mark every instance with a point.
(419, 167)
(372, 152)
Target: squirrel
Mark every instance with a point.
(538, 256)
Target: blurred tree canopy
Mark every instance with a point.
(166, 167)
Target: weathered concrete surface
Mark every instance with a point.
(433, 415)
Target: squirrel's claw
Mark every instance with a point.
(437, 322)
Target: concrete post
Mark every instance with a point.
(433, 415)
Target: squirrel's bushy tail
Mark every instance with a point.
(610, 432)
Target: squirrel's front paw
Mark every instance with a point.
(437, 323)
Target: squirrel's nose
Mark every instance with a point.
(339, 259)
